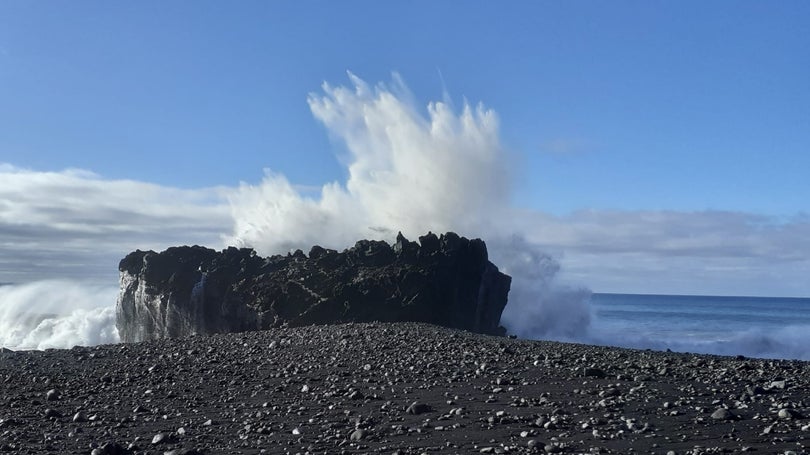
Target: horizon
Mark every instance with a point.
(653, 149)
(707, 295)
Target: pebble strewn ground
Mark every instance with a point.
(396, 389)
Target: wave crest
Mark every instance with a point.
(56, 314)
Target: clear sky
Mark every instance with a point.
(648, 133)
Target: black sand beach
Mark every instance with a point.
(395, 388)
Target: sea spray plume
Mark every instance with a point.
(538, 305)
(274, 218)
(407, 172)
(414, 172)
(56, 314)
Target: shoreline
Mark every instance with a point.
(350, 388)
(584, 343)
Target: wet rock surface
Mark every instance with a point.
(403, 388)
(445, 280)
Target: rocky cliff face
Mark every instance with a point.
(446, 280)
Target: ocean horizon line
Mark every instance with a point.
(713, 296)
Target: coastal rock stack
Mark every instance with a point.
(445, 280)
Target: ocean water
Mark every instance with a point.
(62, 314)
(750, 326)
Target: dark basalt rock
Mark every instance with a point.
(445, 280)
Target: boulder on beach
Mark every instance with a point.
(445, 280)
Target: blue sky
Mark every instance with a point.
(630, 107)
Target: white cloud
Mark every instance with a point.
(669, 233)
(74, 223)
(711, 252)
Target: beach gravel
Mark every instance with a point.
(389, 388)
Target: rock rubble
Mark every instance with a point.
(395, 388)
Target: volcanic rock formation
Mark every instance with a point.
(445, 280)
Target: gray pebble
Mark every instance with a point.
(722, 414)
(418, 408)
(357, 435)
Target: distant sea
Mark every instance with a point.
(751, 326)
(62, 314)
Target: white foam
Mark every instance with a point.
(789, 342)
(57, 314)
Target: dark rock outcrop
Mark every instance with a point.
(446, 280)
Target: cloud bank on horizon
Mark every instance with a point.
(76, 224)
